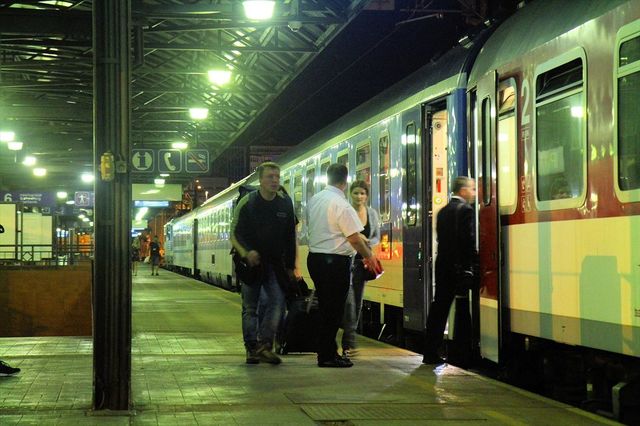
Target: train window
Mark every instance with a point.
(628, 126)
(384, 183)
(507, 147)
(363, 162)
(411, 156)
(324, 165)
(311, 181)
(485, 150)
(343, 158)
(560, 133)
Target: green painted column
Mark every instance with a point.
(111, 275)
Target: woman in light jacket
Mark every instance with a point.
(370, 219)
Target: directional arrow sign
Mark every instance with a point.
(142, 160)
(197, 161)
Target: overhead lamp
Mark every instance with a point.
(15, 146)
(90, 223)
(198, 113)
(179, 145)
(85, 219)
(87, 177)
(158, 181)
(81, 216)
(164, 175)
(39, 171)
(62, 195)
(258, 10)
(219, 77)
(29, 160)
(7, 136)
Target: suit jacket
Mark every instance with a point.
(456, 237)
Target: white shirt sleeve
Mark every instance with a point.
(348, 221)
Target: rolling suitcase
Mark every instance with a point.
(300, 330)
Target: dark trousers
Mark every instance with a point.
(439, 310)
(330, 274)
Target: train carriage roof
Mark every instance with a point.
(455, 62)
(535, 24)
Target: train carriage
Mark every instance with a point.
(551, 95)
(546, 124)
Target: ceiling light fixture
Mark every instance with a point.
(258, 10)
(87, 177)
(29, 160)
(198, 113)
(179, 145)
(15, 146)
(62, 195)
(6, 136)
(219, 77)
(39, 171)
(158, 181)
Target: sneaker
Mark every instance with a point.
(252, 357)
(266, 355)
(7, 370)
(336, 362)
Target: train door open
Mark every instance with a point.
(488, 218)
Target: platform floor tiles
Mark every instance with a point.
(188, 369)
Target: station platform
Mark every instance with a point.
(188, 369)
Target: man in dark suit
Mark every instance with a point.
(456, 252)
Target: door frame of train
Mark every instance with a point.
(490, 294)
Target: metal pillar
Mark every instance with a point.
(111, 273)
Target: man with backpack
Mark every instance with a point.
(264, 238)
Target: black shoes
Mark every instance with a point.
(335, 362)
(252, 357)
(266, 355)
(7, 370)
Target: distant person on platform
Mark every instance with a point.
(154, 253)
(334, 237)
(135, 254)
(456, 252)
(264, 236)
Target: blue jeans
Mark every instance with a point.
(265, 330)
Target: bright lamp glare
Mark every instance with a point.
(179, 145)
(143, 211)
(29, 160)
(158, 182)
(62, 195)
(87, 177)
(15, 146)
(7, 136)
(38, 171)
(219, 77)
(258, 10)
(198, 113)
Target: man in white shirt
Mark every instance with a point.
(334, 237)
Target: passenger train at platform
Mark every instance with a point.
(543, 111)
